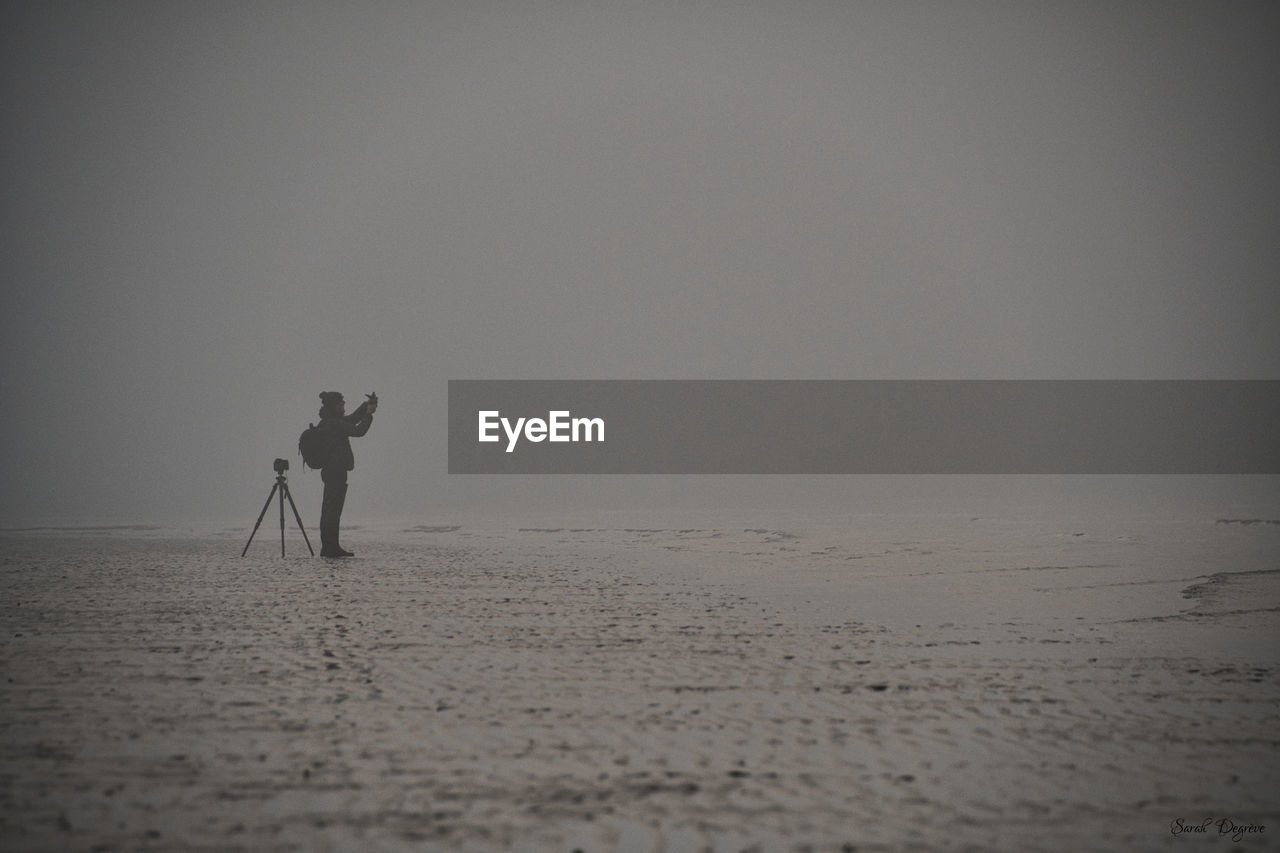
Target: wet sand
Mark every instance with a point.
(888, 684)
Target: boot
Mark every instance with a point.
(329, 546)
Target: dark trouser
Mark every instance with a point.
(335, 495)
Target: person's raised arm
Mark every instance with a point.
(362, 418)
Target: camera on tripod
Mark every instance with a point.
(281, 487)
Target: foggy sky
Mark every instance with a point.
(213, 212)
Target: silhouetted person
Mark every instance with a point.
(339, 428)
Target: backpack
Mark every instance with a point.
(314, 447)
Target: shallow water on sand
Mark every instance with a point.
(710, 680)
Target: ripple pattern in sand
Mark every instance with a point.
(483, 696)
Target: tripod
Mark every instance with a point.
(282, 486)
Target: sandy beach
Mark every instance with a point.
(805, 427)
(638, 683)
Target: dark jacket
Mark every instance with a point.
(340, 429)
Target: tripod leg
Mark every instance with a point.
(282, 488)
(261, 515)
(288, 494)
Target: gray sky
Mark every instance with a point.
(215, 211)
